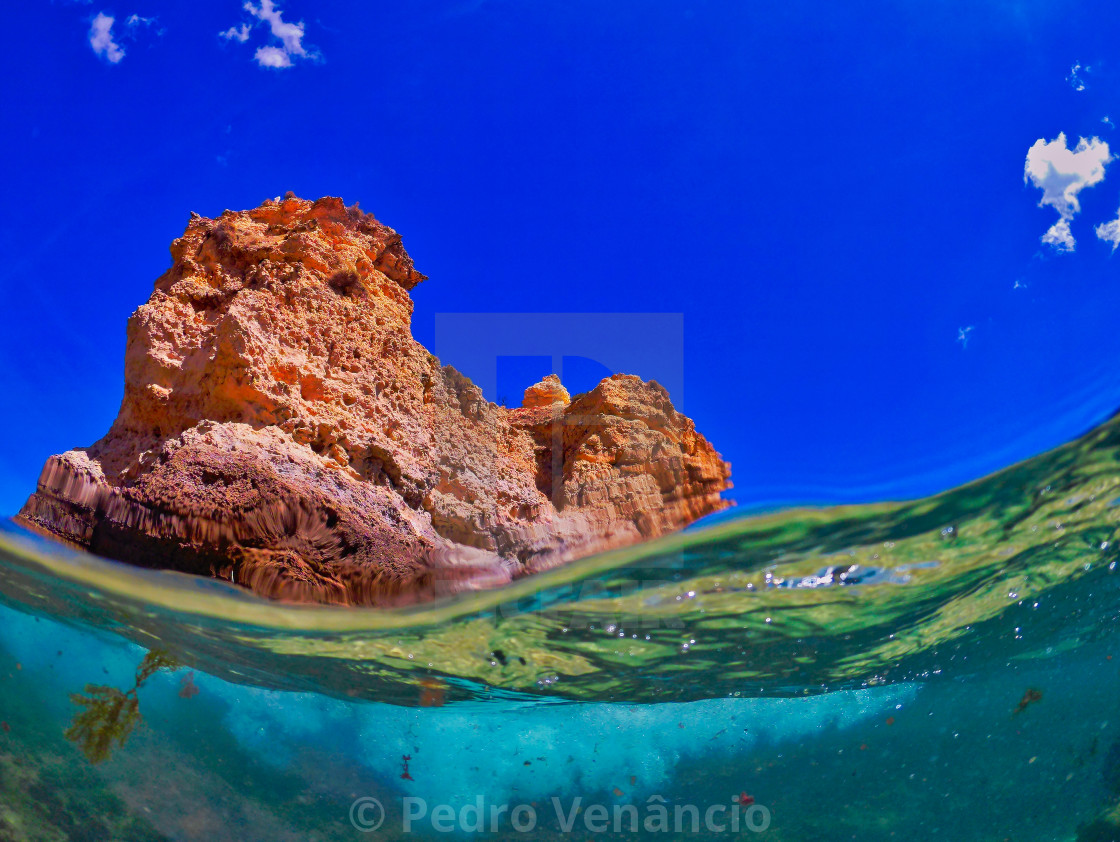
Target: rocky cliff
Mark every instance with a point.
(282, 429)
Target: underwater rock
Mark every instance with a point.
(282, 429)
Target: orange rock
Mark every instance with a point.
(282, 429)
(546, 393)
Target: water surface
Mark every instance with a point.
(941, 668)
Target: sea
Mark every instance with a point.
(938, 669)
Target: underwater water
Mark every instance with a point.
(947, 668)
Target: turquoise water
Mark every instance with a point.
(938, 669)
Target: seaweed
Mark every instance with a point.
(108, 715)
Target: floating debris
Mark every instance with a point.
(187, 688)
(1030, 697)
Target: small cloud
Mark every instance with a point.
(237, 33)
(1110, 232)
(101, 39)
(1076, 73)
(272, 57)
(1108, 122)
(962, 335)
(1059, 236)
(1061, 173)
(108, 44)
(289, 35)
(1019, 284)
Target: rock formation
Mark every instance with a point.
(546, 393)
(282, 429)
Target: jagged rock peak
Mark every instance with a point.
(282, 429)
(547, 392)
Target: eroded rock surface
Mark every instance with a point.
(282, 429)
(546, 393)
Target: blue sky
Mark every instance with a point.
(828, 192)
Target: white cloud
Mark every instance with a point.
(290, 36)
(1075, 80)
(101, 39)
(272, 57)
(1061, 173)
(1060, 236)
(1110, 232)
(136, 20)
(237, 33)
